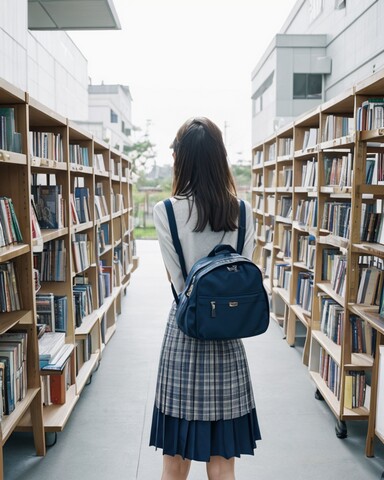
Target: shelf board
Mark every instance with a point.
(87, 324)
(370, 189)
(331, 347)
(308, 152)
(269, 189)
(86, 371)
(12, 251)
(303, 266)
(10, 319)
(110, 331)
(116, 291)
(334, 241)
(284, 158)
(326, 287)
(370, 314)
(308, 190)
(76, 168)
(11, 94)
(375, 249)
(337, 190)
(105, 306)
(257, 166)
(52, 234)
(107, 249)
(283, 293)
(46, 163)
(81, 226)
(101, 173)
(360, 361)
(267, 284)
(270, 163)
(9, 422)
(12, 157)
(328, 395)
(279, 319)
(280, 219)
(101, 220)
(55, 417)
(301, 314)
(368, 135)
(284, 189)
(345, 141)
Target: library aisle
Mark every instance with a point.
(106, 436)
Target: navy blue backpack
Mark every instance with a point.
(224, 297)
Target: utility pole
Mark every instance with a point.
(226, 125)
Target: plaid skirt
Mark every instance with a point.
(202, 380)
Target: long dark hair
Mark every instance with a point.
(201, 172)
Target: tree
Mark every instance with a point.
(140, 152)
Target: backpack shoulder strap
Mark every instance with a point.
(175, 236)
(241, 229)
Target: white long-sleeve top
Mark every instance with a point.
(195, 245)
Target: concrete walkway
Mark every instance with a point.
(107, 435)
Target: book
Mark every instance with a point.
(49, 345)
(58, 389)
(45, 310)
(10, 141)
(59, 360)
(82, 204)
(49, 205)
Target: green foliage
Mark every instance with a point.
(148, 233)
(140, 152)
(242, 175)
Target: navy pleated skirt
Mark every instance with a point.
(204, 403)
(199, 440)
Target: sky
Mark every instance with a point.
(183, 58)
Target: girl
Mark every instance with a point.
(204, 406)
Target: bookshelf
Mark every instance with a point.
(81, 247)
(324, 270)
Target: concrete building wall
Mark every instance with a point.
(47, 65)
(354, 44)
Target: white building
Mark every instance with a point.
(37, 55)
(110, 114)
(324, 47)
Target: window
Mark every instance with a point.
(114, 117)
(339, 4)
(307, 85)
(257, 97)
(123, 126)
(257, 105)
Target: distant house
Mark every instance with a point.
(110, 114)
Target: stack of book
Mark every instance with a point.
(52, 310)
(9, 139)
(9, 226)
(13, 370)
(47, 145)
(9, 291)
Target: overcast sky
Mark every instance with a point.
(183, 58)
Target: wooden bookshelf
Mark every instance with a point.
(321, 242)
(54, 152)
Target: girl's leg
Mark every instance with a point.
(219, 468)
(175, 468)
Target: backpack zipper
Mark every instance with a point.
(213, 309)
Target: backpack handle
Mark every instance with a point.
(222, 248)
